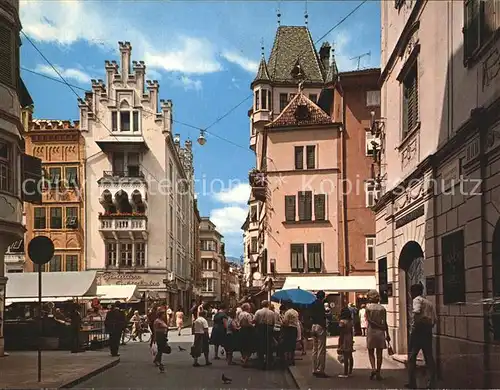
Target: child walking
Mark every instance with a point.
(345, 347)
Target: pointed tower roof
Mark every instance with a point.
(262, 73)
(294, 44)
(301, 111)
(333, 73)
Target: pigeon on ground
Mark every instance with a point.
(226, 380)
(181, 349)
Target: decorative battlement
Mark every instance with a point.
(54, 124)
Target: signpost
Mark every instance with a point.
(40, 251)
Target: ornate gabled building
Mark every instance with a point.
(139, 185)
(60, 146)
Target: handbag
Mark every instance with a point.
(168, 349)
(154, 349)
(390, 351)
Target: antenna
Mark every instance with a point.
(358, 58)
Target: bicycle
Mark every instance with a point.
(143, 333)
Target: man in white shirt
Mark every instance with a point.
(201, 345)
(265, 319)
(423, 320)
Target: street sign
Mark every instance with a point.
(41, 250)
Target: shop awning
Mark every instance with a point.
(112, 293)
(56, 286)
(331, 284)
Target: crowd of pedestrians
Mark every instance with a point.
(274, 334)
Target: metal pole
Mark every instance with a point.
(40, 323)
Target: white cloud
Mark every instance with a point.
(189, 83)
(236, 58)
(69, 74)
(229, 219)
(235, 195)
(69, 22)
(153, 74)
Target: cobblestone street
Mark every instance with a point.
(136, 370)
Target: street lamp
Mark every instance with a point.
(201, 139)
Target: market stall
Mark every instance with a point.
(60, 291)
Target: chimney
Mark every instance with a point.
(324, 54)
(125, 51)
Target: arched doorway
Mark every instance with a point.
(411, 261)
(495, 263)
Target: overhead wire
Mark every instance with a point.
(73, 87)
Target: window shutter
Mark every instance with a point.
(319, 207)
(31, 179)
(317, 258)
(311, 157)
(294, 258)
(300, 257)
(490, 19)
(6, 56)
(302, 204)
(290, 208)
(471, 28)
(308, 205)
(299, 157)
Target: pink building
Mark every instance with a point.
(293, 227)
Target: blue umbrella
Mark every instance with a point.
(295, 296)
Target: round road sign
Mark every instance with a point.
(41, 250)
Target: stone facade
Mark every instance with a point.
(437, 220)
(139, 183)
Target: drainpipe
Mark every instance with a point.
(344, 188)
(486, 318)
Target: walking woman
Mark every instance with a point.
(246, 333)
(179, 319)
(161, 337)
(345, 347)
(377, 333)
(362, 320)
(218, 336)
(231, 336)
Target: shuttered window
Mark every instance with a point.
(299, 157)
(290, 201)
(319, 207)
(410, 100)
(311, 156)
(297, 257)
(7, 56)
(314, 258)
(305, 206)
(482, 20)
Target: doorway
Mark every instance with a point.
(411, 261)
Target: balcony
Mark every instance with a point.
(209, 274)
(261, 116)
(258, 182)
(119, 226)
(123, 191)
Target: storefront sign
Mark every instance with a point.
(142, 281)
(411, 216)
(452, 248)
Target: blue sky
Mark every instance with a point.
(204, 54)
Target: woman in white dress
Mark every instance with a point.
(362, 320)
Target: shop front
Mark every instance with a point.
(150, 284)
